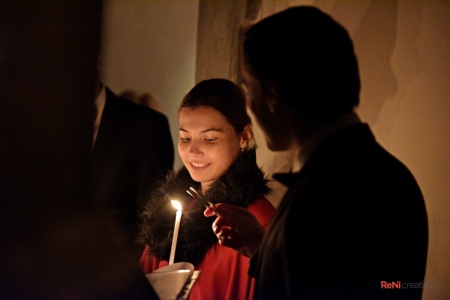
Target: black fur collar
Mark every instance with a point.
(243, 182)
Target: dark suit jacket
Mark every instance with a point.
(133, 151)
(353, 218)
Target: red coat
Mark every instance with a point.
(223, 271)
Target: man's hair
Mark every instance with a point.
(310, 57)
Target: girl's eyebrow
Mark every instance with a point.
(203, 131)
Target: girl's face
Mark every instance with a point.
(208, 144)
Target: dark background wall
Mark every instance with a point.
(53, 246)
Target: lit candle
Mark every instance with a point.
(177, 205)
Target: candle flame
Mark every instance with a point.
(176, 204)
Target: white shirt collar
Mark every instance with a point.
(99, 103)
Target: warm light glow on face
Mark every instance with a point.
(176, 204)
(208, 143)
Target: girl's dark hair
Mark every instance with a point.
(222, 95)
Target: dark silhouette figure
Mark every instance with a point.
(132, 151)
(353, 221)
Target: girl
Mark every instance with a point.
(218, 153)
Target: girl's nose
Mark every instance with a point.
(195, 149)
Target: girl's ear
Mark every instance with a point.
(246, 136)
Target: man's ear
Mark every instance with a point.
(246, 136)
(271, 91)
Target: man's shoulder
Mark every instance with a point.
(133, 110)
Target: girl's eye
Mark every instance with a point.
(211, 140)
(184, 140)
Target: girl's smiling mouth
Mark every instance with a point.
(198, 165)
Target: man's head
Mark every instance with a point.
(301, 62)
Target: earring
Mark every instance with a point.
(242, 149)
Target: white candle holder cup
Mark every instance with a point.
(173, 282)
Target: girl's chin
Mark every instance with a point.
(202, 179)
